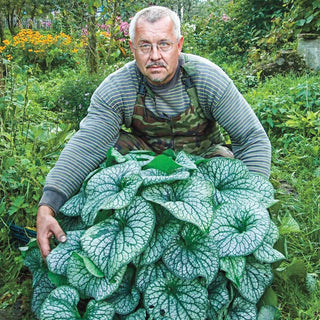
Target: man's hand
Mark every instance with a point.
(47, 227)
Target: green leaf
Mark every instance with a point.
(111, 188)
(256, 278)
(61, 304)
(239, 231)
(163, 163)
(34, 262)
(186, 160)
(266, 253)
(288, 225)
(234, 268)
(267, 313)
(58, 258)
(155, 176)
(113, 156)
(234, 183)
(218, 297)
(242, 310)
(140, 314)
(89, 280)
(141, 156)
(41, 291)
(188, 201)
(149, 273)
(192, 254)
(57, 279)
(176, 299)
(114, 242)
(127, 297)
(74, 205)
(295, 268)
(167, 228)
(99, 310)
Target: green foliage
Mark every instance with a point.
(211, 215)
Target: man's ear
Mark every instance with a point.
(180, 44)
(133, 50)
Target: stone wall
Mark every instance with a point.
(309, 50)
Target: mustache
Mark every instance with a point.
(156, 64)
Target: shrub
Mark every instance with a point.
(172, 236)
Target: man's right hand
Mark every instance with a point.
(47, 227)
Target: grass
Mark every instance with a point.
(295, 176)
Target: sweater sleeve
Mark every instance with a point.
(85, 150)
(249, 140)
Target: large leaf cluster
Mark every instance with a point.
(172, 236)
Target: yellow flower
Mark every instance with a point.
(9, 57)
(6, 42)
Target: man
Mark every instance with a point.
(169, 100)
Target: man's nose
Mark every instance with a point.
(155, 53)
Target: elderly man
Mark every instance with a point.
(169, 100)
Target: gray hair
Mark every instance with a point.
(153, 14)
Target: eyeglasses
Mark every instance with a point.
(163, 46)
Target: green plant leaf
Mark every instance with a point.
(167, 228)
(163, 163)
(267, 313)
(41, 291)
(149, 273)
(192, 254)
(218, 298)
(99, 310)
(189, 201)
(89, 280)
(239, 231)
(288, 225)
(140, 314)
(242, 310)
(58, 258)
(113, 156)
(111, 188)
(185, 160)
(266, 253)
(234, 183)
(143, 157)
(155, 176)
(176, 299)
(61, 304)
(114, 242)
(295, 268)
(234, 268)
(74, 205)
(127, 297)
(256, 278)
(34, 262)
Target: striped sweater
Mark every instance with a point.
(112, 105)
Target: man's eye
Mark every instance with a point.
(145, 45)
(164, 44)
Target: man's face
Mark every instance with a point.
(157, 66)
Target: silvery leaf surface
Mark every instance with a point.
(149, 273)
(127, 297)
(185, 160)
(166, 229)
(99, 310)
(192, 254)
(256, 278)
(242, 310)
(155, 176)
(116, 241)
(111, 188)
(234, 268)
(176, 299)
(70, 223)
(140, 314)
(189, 201)
(239, 230)
(234, 183)
(40, 292)
(74, 206)
(58, 258)
(266, 252)
(61, 304)
(89, 280)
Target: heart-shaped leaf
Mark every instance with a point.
(163, 163)
(189, 201)
(140, 314)
(239, 230)
(234, 268)
(58, 258)
(111, 188)
(74, 206)
(127, 297)
(155, 176)
(99, 310)
(242, 310)
(176, 299)
(256, 278)
(192, 254)
(114, 242)
(89, 280)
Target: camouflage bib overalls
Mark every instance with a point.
(190, 131)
